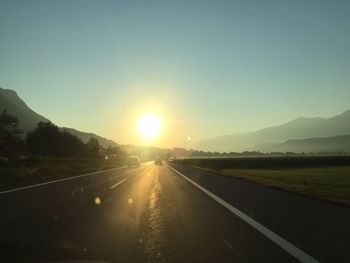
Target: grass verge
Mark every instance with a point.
(48, 169)
(326, 183)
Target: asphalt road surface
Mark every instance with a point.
(158, 214)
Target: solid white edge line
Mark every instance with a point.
(60, 180)
(119, 183)
(284, 244)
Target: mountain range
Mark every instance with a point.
(14, 105)
(299, 135)
(290, 136)
(334, 144)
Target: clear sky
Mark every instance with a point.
(207, 68)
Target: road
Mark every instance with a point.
(158, 214)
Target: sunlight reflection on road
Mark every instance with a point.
(155, 237)
(143, 214)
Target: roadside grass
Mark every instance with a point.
(326, 183)
(47, 169)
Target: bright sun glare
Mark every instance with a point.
(149, 126)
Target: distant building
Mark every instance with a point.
(181, 152)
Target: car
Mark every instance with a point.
(158, 162)
(133, 161)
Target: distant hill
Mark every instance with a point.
(301, 128)
(85, 136)
(316, 145)
(14, 105)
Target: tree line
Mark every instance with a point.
(46, 140)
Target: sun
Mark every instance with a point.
(149, 126)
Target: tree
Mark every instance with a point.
(70, 144)
(10, 135)
(48, 140)
(44, 140)
(92, 147)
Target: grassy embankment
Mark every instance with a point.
(36, 170)
(326, 178)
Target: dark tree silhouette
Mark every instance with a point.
(92, 147)
(70, 144)
(44, 140)
(48, 140)
(10, 135)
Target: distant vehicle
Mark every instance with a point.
(158, 161)
(133, 161)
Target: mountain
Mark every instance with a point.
(301, 128)
(14, 105)
(85, 136)
(332, 144)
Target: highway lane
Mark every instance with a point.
(319, 228)
(150, 214)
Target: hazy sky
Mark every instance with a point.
(208, 68)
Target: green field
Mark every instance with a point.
(323, 177)
(327, 183)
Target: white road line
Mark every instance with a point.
(119, 183)
(284, 244)
(60, 180)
